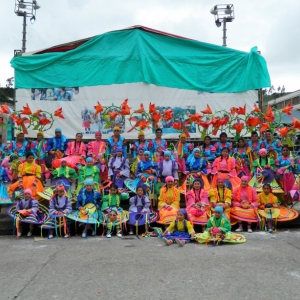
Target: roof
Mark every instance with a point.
(142, 54)
(286, 97)
(284, 118)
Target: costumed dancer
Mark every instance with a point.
(111, 206)
(263, 171)
(157, 146)
(241, 158)
(224, 166)
(4, 149)
(88, 203)
(253, 147)
(38, 148)
(208, 152)
(118, 168)
(245, 205)
(196, 168)
(138, 204)
(285, 165)
(96, 150)
(76, 151)
(223, 144)
(59, 206)
(271, 211)
(167, 167)
(183, 150)
(89, 171)
(64, 172)
(180, 231)
(197, 204)
(168, 201)
(56, 147)
(26, 208)
(17, 151)
(29, 176)
(116, 141)
(221, 196)
(218, 230)
(273, 146)
(4, 197)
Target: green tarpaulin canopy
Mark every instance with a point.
(138, 55)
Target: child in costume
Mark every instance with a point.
(113, 198)
(114, 223)
(88, 195)
(139, 204)
(253, 147)
(244, 204)
(65, 172)
(219, 146)
(220, 196)
(180, 231)
(59, 205)
(241, 158)
(146, 168)
(224, 166)
(4, 197)
(29, 175)
(196, 167)
(167, 167)
(139, 148)
(88, 172)
(27, 207)
(197, 203)
(169, 201)
(118, 168)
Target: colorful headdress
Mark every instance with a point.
(183, 135)
(28, 191)
(89, 182)
(89, 159)
(58, 130)
(98, 133)
(117, 128)
(169, 178)
(167, 153)
(147, 152)
(219, 209)
(40, 132)
(141, 133)
(262, 150)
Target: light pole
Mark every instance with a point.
(223, 13)
(26, 9)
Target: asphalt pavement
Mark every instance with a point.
(267, 266)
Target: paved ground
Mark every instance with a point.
(266, 267)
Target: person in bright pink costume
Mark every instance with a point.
(77, 150)
(244, 204)
(224, 166)
(197, 204)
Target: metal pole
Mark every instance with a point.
(224, 32)
(24, 33)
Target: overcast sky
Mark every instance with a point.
(272, 25)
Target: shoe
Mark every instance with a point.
(179, 243)
(83, 235)
(108, 235)
(19, 233)
(249, 230)
(93, 233)
(239, 229)
(119, 235)
(167, 242)
(270, 230)
(50, 236)
(29, 233)
(66, 236)
(131, 232)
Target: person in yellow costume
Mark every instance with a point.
(29, 175)
(168, 202)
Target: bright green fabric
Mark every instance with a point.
(135, 55)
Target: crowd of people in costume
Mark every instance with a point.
(202, 186)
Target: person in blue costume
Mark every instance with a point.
(254, 145)
(56, 146)
(208, 151)
(20, 147)
(4, 151)
(273, 146)
(196, 166)
(158, 145)
(140, 146)
(223, 144)
(4, 198)
(114, 142)
(86, 196)
(240, 153)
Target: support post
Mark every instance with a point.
(24, 33)
(224, 32)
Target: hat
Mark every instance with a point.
(169, 178)
(117, 128)
(262, 150)
(219, 209)
(220, 179)
(183, 135)
(46, 194)
(138, 217)
(245, 178)
(57, 129)
(167, 153)
(147, 153)
(40, 132)
(20, 132)
(89, 159)
(89, 182)
(119, 149)
(183, 211)
(268, 175)
(270, 212)
(141, 133)
(28, 191)
(98, 133)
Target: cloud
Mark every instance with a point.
(270, 24)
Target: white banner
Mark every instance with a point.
(78, 107)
